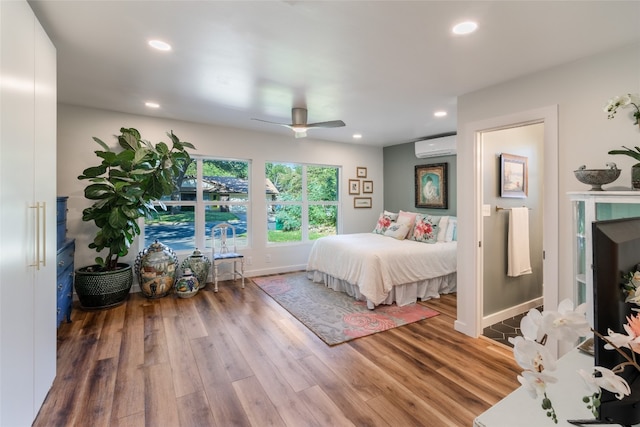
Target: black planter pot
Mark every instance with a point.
(103, 289)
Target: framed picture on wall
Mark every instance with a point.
(367, 186)
(361, 172)
(361, 202)
(354, 186)
(431, 186)
(514, 176)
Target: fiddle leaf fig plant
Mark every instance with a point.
(126, 185)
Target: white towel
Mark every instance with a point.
(519, 262)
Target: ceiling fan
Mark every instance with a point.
(299, 123)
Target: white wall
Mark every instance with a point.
(580, 89)
(77, 126)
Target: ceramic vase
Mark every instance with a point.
(156, 269)
(635, 177)
(187, 285)
(199, 265)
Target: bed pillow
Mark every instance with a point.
(392, 215)
(451, 229)
(424, 230)
(442, 228)
(408, 218)
(397, 231)
(384, 221)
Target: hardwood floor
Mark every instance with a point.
(236, 358)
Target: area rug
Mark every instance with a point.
(333, 316)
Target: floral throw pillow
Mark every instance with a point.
(384, 221)
(397, 231)
(424, 230)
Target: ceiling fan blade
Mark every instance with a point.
(330, 124)
(267, 121)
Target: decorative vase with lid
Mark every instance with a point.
(156, 269)
(187, 285)
(199, 265)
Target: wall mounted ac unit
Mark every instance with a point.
(445, 146)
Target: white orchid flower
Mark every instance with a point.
(532, 356)
(635, 279)
(619, 340)
(607, 380)
(535, 383)
(530, 325)
(566, 324)
(634, 296)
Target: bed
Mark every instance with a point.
(381, 269)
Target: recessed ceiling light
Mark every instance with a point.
(160, 45)
(357, 136)
(152, 104)
(466, 27)
(440, 113)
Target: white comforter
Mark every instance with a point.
(376, 263)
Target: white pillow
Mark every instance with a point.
(392, 215)
(451, 228)
(397, 231)
(442, 228)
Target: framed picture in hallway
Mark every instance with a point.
(431, 186)
(514, 176)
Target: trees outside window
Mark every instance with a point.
(305, 205)
(211, 191)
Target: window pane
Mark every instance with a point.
(322, 183)
(323, 221)
(287, 180)
(173, 227)
(235, 215)
(284, 223)
(225, 180)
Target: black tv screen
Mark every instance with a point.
(616, 252)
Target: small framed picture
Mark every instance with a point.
(361, 202)
(354, 186)
(361, 172)
(514, 177)
(367, 186)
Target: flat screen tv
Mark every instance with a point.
(616, 252)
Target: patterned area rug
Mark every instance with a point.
(335, 317)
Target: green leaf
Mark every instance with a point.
(98, 191)
(102, 144)
(93, 172)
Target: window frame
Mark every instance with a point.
(201, 234)
(304, 202)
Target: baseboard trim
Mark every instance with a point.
(510, 312)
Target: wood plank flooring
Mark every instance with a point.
(236, 358)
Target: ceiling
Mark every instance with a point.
(383, 67)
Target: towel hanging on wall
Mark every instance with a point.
(519, 261)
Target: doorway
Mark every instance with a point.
(505, 296)
(470, 248)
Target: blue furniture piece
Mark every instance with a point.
(64, 264)
(223, 237)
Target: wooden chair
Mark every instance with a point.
(223, 240)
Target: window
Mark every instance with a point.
(211, 191)
(302, 202)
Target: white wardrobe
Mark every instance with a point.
(27, 214)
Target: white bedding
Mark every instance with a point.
(376, 263)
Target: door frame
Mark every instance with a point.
(470, 280)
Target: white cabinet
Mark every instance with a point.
(590, 206)
(27, 214)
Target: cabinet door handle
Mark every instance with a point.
(44, 234)
(40, 242)
(36, 240)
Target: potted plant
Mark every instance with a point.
(123, 188)
(629, 100)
